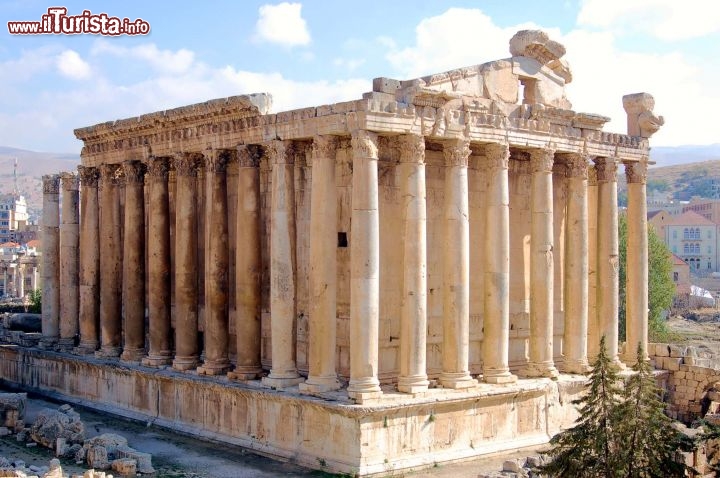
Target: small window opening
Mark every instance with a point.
(342, 239)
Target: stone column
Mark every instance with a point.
(364, 269)
(110, 263)
(50, 261)
(69, 262)
(593, 340)
(607, 255)
(540, 363)
(496, 335)
(576, 267)
(413, 310)
(248, 266)
(456, 268)
(186, 263)
(134, 263)
(636, 288)
(21, 286)
(218, 254)
(89, 312)
(322, 375)
(282, 267)
(158, 262)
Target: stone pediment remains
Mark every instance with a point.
(535, 74)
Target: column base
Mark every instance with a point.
(214, 367)
(107, 351)
(365, 397)
(66, 344)
(134, 355)
(457, 380)
(280, 383)
(85, 348)
(416, 384)
(540, 370)
(579, 367)
(498, 377)
(157, 360)
(183, 364)
(320, 385)
(48, 343)
(245, 373)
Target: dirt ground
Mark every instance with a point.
(699, 328)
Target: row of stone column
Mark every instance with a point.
(113, 282)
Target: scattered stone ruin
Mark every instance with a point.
(414, 277)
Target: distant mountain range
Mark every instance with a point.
(32, 165)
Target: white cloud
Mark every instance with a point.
(72, 66)
(161, 60)
(282, 24)
(664, 19)
(602, 71)
(349, 64)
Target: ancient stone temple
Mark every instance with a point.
(413, 277)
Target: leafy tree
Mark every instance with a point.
(35, 306)
(647, 438)
(588, 449)
(661, 287)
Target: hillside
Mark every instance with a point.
(31, 167)
(685, 180)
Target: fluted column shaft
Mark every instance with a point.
(496, 320)
(456, 268)
(542, 273)
(636, 288)
(413, 310)
(576, 267)
(158, 252)
(248, 266)
(607, 255)
(69, 262)
(364, 269)
(50, 261)
(218, 254)
(134, 262)
(186, 262)
(282, 267)
(323, 269)
(89, 310)
(110, 263)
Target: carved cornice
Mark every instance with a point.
(412, 148)
(542, 160)
(577, 165)
(456, 152)
(134, 172)
(69, 181)
(51, 184)
(186, 164)
(324, 146)
(88, 176)
(636, 173)
(606, 169)
(497, 156)
(280, 152)
(364, 144)
(249, 156)
(158, 167)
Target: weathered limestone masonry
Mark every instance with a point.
(363, 287)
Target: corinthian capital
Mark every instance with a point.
(186, 164)
(412, 149)
(606, 169)
(248, 156)
(577, 165)
(324, 146)
(497, 156)
(134, 172)
(541, 160)
(216, 160)
(88, 176)
(364, 143)
(158, 168)
(456, 152)
(51, 184)
(636, 173)
(69, 181)
(280, 152)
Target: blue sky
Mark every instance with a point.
(316, 52)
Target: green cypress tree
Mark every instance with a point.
(589, 448)
(647, 439)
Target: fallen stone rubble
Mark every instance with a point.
(517, 468)
(63, 432)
